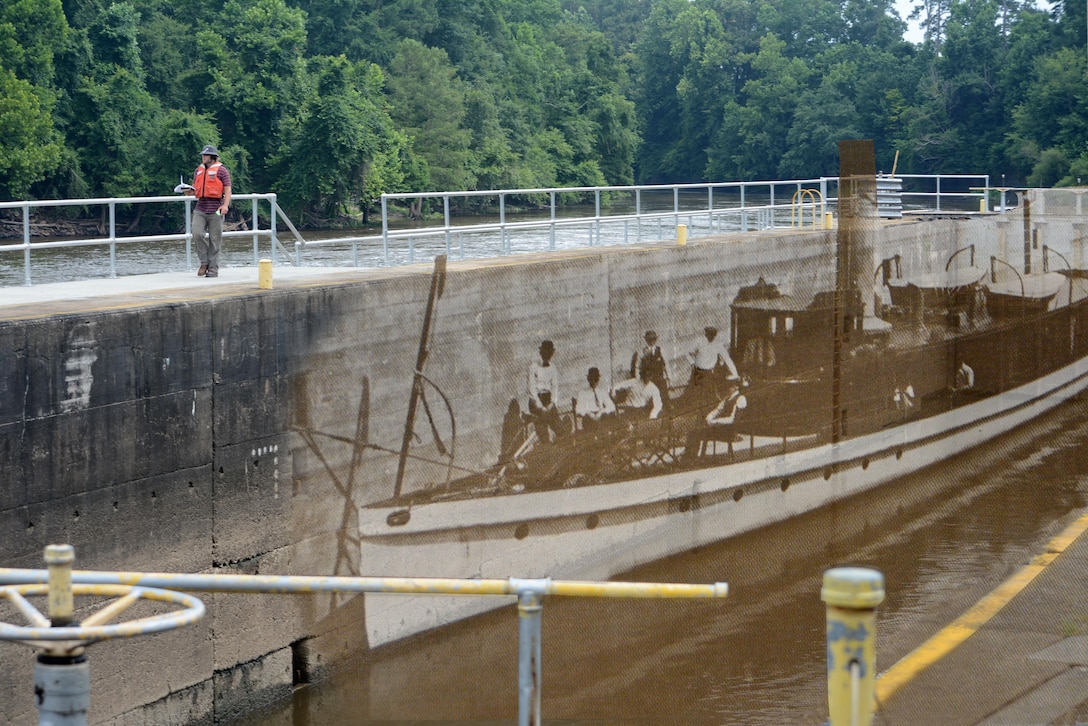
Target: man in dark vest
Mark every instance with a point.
(651, 362)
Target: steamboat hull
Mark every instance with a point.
(596, 532)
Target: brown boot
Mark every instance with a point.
(203, 269)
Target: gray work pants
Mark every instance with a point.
(207, 248)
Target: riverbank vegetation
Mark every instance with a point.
(330, 103)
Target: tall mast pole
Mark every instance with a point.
(438, 281)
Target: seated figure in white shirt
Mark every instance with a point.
(725, 413)
(543, 390)
(719, 422)
(595, 402)
(642, 394)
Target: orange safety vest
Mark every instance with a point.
(207, 183)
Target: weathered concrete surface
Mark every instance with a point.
(236, 430)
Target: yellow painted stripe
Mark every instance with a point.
(944, 642)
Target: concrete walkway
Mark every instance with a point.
(23, 301)
(1020, 656)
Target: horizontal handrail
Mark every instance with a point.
(529, 591)
(307, 585)
(93, 241)
(94, 201)
(619, 188)
(726, 207)
(113, 239)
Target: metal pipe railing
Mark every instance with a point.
(530, 594)
(851, 594)
(113, 239)
(727, 206)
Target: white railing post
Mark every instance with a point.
(502, 223)
(26, 243)
(530, 679)
(113, 239)
(189, 234)
(446, 220)
(597, 214)
(256, 236)
(385, 229)
(675, 206)
(551, 234)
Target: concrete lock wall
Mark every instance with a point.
(216, 435)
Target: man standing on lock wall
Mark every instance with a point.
(211, 187)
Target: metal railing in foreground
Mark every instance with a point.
(62, 672)
(650, 213)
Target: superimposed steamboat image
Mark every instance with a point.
(819, 378)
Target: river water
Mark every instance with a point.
(943, 538)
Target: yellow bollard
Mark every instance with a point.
(982, 205)
(264, 275)
(829, 220)
(681, 234)
(59, 558)
(851, 594)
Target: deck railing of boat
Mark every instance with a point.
(62, 669)
(653, 214)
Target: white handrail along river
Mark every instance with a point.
(619, 215)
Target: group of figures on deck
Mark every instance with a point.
(910, 364)
(634, 420)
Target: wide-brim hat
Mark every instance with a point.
(210, 150)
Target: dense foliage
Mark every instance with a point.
(330, 103)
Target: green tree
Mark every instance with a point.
(972, 57)
(167, 56)
(119, 115)
(620, 20)
(754, 130)
(494, 163)
(1053, 116)
(32, 33)
(1052, 166)
(343, 130)
(427, 103)
(617, 136)
(822, 119)
(687, 75)
(106, 112)
(30, 148)
(252, 78)
(173, 148)
(113, 37)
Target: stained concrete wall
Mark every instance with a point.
(237, 433)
